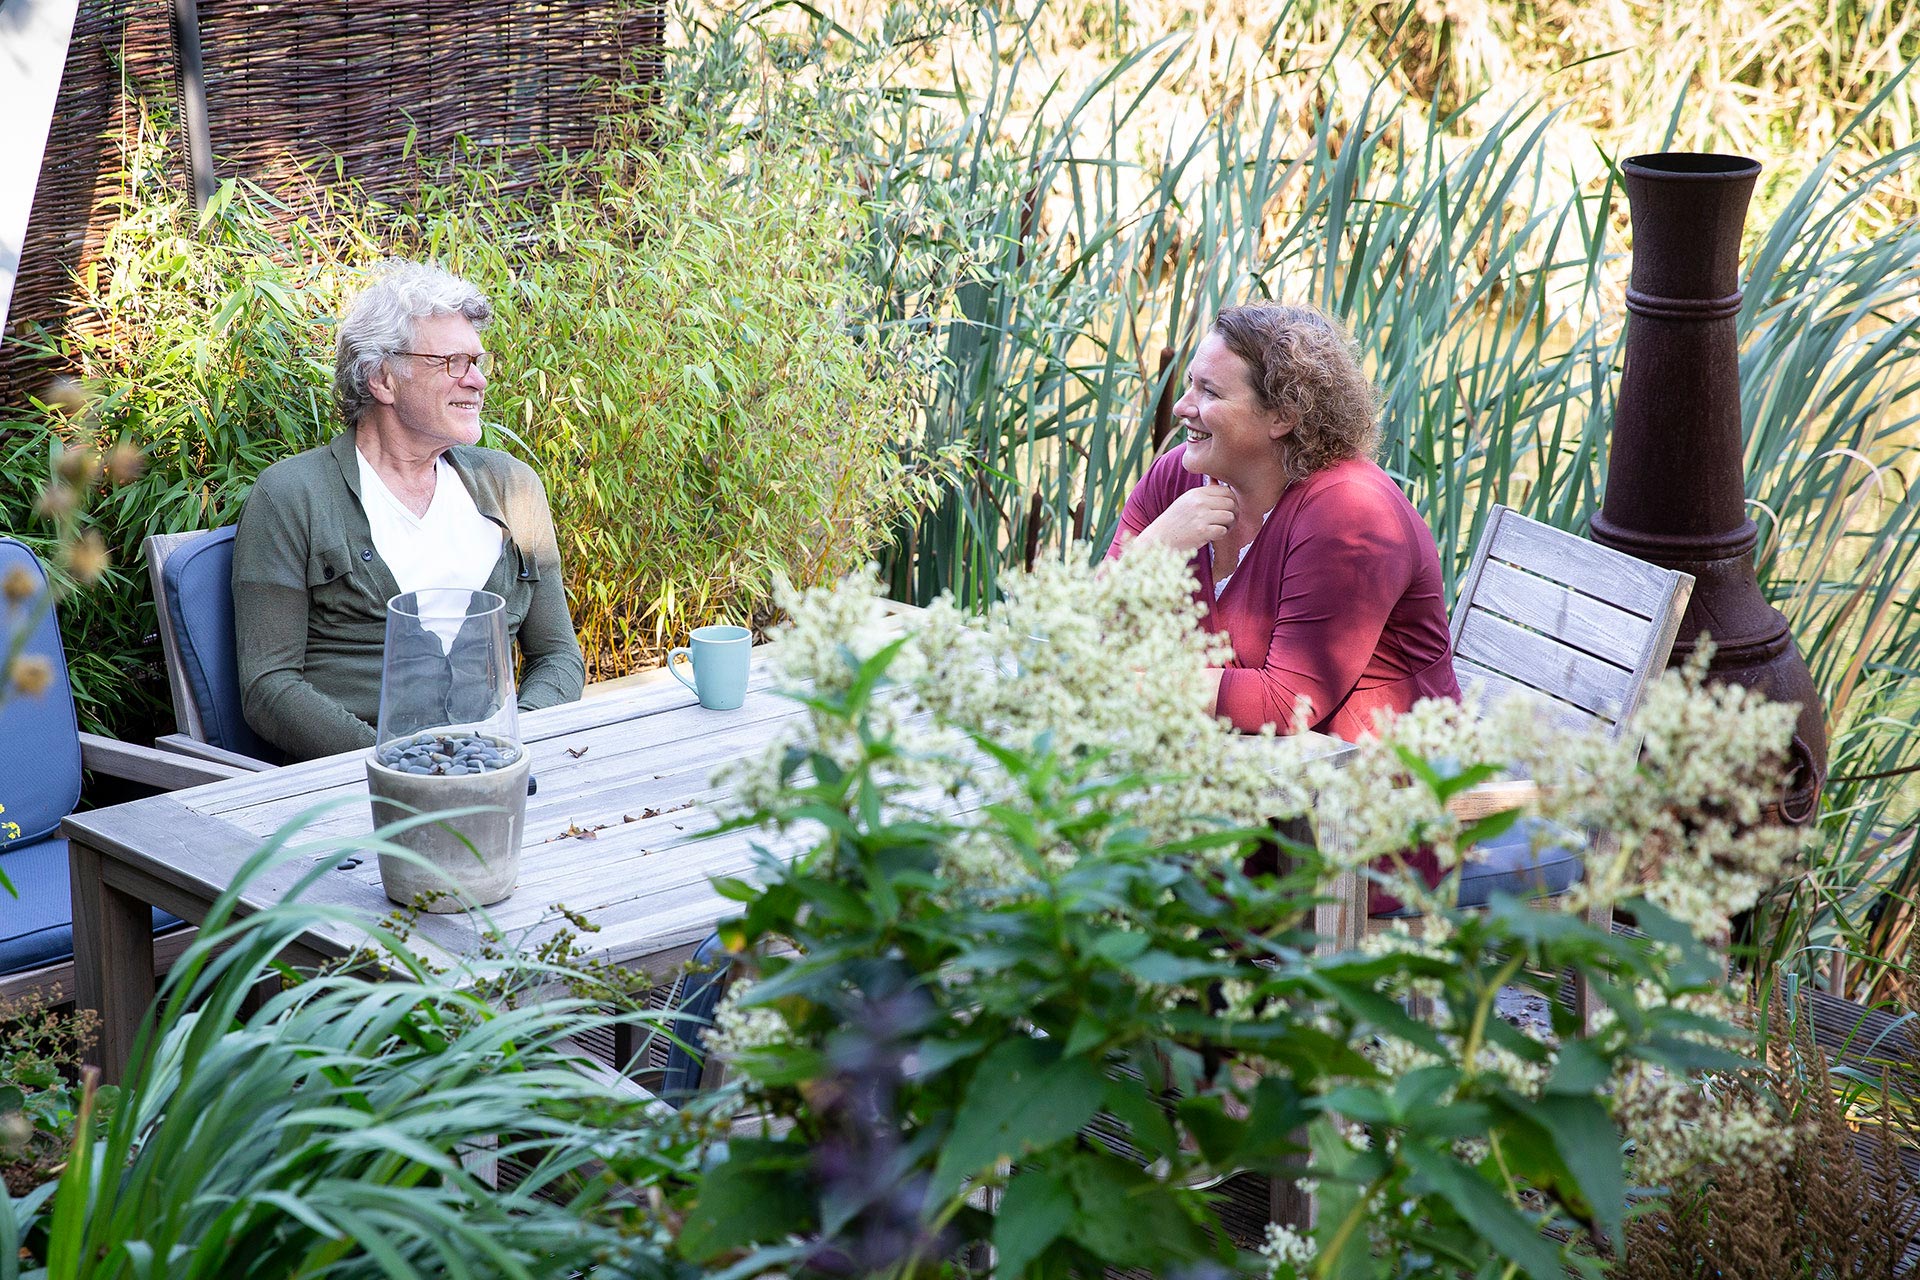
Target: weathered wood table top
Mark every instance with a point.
(617, 832)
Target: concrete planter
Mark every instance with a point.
(473, 860)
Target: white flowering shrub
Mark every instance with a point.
(1038, 886)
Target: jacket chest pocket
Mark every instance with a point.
(338, 589)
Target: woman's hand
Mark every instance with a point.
(1195, 518)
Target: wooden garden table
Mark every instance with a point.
(613, 833)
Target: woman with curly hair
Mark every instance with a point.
(1308, 556)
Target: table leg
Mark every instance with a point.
(112, 959)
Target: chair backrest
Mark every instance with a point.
(1548, 615)
(39, 734)
(192, 576)
(699, 997)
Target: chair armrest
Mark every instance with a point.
(149, 767)
(1489, 798)
(180, 744)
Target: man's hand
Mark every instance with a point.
(1197, 517)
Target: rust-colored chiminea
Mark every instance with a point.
(1676, 489)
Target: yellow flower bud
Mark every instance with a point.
(76, 465)
(57, 501)
(88, 558)
(32, 674)
(66, 395)
(125, 462)
(20, 585)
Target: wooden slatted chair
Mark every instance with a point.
(1576, 628)
(42, 756)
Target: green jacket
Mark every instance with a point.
(310, 595)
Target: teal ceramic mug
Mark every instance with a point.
(720, 657)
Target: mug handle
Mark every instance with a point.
(674, 670)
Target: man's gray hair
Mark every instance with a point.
(381, 323)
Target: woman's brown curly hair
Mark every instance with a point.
(1303, 365)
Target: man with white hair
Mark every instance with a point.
(402, 500)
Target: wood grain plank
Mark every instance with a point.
(1659, 644)
(612, 772)
(1532, 659)
(151, 768)
(158, 548)
(1498, 687)
(1463, 597)
(181, 745)
(639, 719)
(1593, 626)
(1587, 567)
(330, 772)
(112, 958)
(630, 702)
(198, 857)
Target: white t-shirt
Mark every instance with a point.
(453, 545)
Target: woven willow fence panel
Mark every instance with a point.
(369, 86)
(115, 43)
(353, 80)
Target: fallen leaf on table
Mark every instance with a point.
(577, 752)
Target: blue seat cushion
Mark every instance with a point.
(1534, 859)
(36, 928)
(197, 581)
(39, 736)
(699, 998)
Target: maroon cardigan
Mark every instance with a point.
(1339, 598)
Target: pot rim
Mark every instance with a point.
(1691, 166)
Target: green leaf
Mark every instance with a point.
(1148, 1127)
(1205, 1116)
(1024, 1096)
(1585, 1138)
(1487, 1211)
(1035, 1211)
(1341, 1176)
(1579, 1070)
(1273, 1122)
(1119, 948)
(1088, 1033)
(1163, 968)
(1123, 1214)
(761, 1192)
(1494, 824)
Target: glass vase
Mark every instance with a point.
(449, 738)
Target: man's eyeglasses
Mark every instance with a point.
(456, 364)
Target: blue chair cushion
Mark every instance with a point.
(36, 928)
(39, 736)
(699, 997)
(197, 582)
(1533, 859)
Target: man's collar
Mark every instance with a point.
(345, 450)
(346, 454)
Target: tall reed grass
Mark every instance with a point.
(1066, 272)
